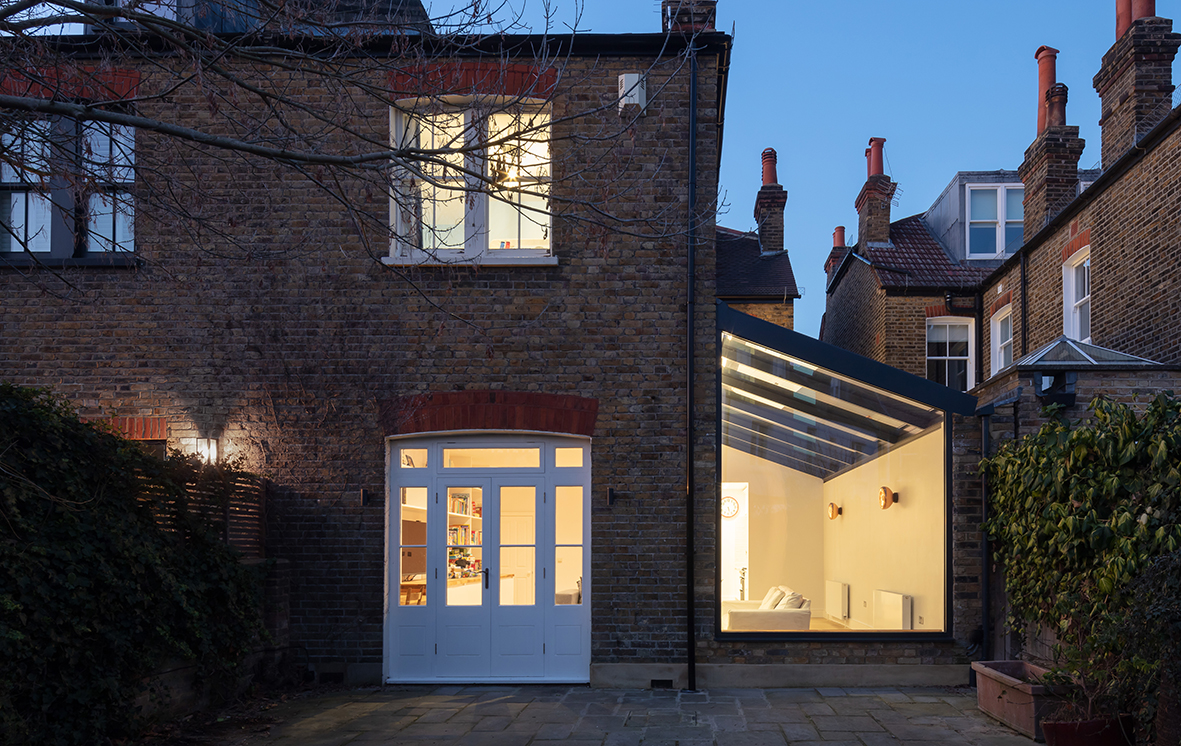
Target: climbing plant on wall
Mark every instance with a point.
(1078, 510)
(96, 591)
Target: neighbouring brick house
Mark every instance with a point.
(754, 271)
(566, 460)
(1079, 301)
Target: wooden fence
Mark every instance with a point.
(233, 504)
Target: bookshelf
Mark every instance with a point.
(465, 532)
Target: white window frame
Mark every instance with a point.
(960, 321)
(998, 347)
(405, 227)
(1001, 222)
(1072, 305)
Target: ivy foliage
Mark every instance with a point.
(95, 592)
(1080, 510)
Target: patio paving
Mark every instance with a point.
(538, 715)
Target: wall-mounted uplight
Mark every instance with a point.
(886, 497)
(207, 450)
(834, 511)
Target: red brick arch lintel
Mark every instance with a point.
(90, 82)
(470, 78)
(488, 410)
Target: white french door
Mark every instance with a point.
(489, 559)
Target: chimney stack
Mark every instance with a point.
(1135, 81)
(688, 16)
(1047, 74)
(873, 204)
(1050, 169)
(769, 205)
(837, 255)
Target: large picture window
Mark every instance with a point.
(833, 508)
(476, 188)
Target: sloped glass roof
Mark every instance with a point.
(807, 405)
(784, 409)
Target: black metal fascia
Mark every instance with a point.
(844, 362)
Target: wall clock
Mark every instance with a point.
(729, 507)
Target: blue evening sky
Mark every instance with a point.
(950, 85)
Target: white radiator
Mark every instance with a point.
(892, 610)
(836, 599)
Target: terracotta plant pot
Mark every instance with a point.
(1011, 692)
(1106, 732)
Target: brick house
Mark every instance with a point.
(1081, 305)
(565, 459)
(754, 273)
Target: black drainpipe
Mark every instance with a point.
(690, 482)
(1024, 306)
(979, 337)
(978, 313)
(986, 546)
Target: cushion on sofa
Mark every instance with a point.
(791, 601)
(774, 596)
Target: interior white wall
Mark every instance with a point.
(901, 549)
(786, 525)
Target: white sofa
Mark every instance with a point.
(774, 613)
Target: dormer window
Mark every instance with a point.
(996, 220)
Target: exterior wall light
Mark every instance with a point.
(886, 497)
(207, 450)
(834, 511)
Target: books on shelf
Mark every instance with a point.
(459, 503)
(463, 536)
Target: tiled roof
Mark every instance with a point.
(744, 272)
(916, 259)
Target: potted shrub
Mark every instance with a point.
(1151, 640)
(1077, 512)
(1090, 711)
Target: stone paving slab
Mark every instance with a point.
(569, 716)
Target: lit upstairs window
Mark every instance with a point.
(477, 191)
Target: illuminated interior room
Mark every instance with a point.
(834, 505)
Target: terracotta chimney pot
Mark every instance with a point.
(838, 237)
(770, 171)
(874, 156)
(1047, 75)
(1056, 105)
(1123, 17)
(1143, 9)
